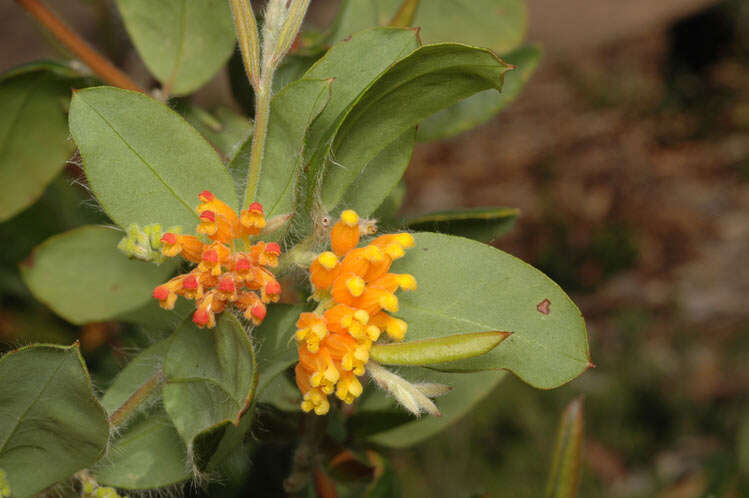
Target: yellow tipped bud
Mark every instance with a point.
(332, 375)
(405, 239)
(373, 332)
(389, 302)
(319, 330)
(355, 387)
(395, 251)
(355, 285)
(356, 330)
(328, 260)
(406, 281)
(373, 254)
(396, 329)
(350, 218)
(361, 316)
(322, 408)
(361, 354)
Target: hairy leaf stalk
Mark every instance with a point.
(282, 24)
(137, 399)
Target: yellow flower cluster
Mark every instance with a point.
(223, 275)
(356, 291)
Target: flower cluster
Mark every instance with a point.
(223, 275)
(355, 291)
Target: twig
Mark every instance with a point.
(78, 46)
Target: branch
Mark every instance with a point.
(78, 46)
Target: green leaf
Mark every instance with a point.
(51, 424)
(482, 224)
(564, 479)
(353, 65)
(380, 421)
(429, 79)
(138, 371)
(443, 349)
(291, 112)
(82, 276)
(274, 339)
(182, 42)
(60, 69)
(60, 208)
(34, 142)
(153, 318)
(382, 175)
(211, 382)
(387, 211)
(148, 452)
(481, 107)
(496, 24)
(224, 129)
(144, 163)
(468, 286)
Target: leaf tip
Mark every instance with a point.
(417, 32)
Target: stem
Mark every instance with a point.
(137, 399)
(85, 52)
(257, 149)
(305, 455)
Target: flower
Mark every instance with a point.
(356, 293)
(223, 276)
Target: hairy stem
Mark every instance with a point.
(137, 398)
(305, 456)
(79, 47)
(263, 96)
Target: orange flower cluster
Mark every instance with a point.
(223, 275)
(356, 292)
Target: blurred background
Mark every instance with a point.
(628, 156)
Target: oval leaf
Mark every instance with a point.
(479, 108)
(380, 177)
(34, 141)
(211, 380)
(429, 79)
(482, 224)
(182, 42)
(442, 349)
(465, 285)
(354, 66)
(82, 276)
(148, 452)
(274, 339)
(564, 479)
(51, 424)
(138, 371)
(144, 163)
